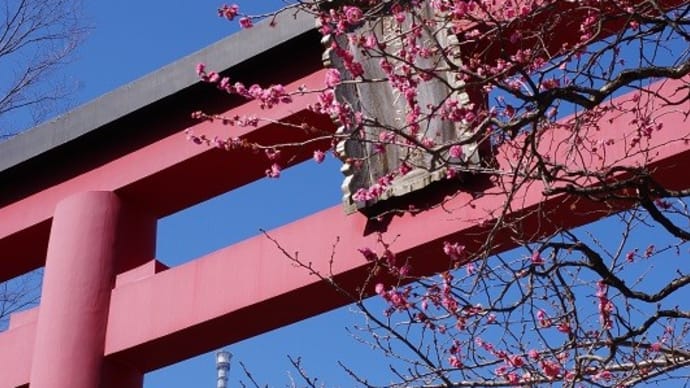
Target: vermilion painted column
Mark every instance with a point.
(93, 235)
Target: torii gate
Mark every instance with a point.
(81, 195)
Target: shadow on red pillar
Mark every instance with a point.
(94, 235)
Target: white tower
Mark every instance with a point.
(223, 358)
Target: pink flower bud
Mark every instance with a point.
(200, 69)
(319, 156)
(332, 77)
(246, 22)
(455, 151)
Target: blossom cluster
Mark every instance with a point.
(268, 97)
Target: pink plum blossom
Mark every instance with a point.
(229, 11)
(246, 22)
(274, 171)
(455, 151)
(332, 77)
(319, 156)
(353, 14)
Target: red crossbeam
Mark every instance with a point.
(139, 175)
(191, 309)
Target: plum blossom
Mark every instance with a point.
(229, 11)
(550, 369)
(630, 256)
(454, 250)
(605, 306)
(353, 15)
(273, 171)
(397, 299)
(516, 361)
(370, 41)
(603, 375)
(332, 77)
(355, 68)
(564, 327)
(455, 151)
(501, 370)
(213, 77)
(536, 258)
(455, 362)
(404, 169)
(319, 156)
(246, 22)
(544, 320)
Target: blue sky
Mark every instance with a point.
(132, 38)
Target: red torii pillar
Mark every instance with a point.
(94, 234)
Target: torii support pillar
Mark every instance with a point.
(94, 236)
